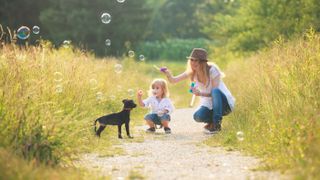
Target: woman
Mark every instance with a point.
(216, 99)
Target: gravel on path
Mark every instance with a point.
(177, 156)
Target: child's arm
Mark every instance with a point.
(169, 107)
(139, 96)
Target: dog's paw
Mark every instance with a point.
(130, 137)
(120, 137)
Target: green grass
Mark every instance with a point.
(277, 96)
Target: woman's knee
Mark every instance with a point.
(198, 117)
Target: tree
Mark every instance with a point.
(176, 19)
(254, 24)
(79, 21)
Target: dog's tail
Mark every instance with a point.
(95, 125)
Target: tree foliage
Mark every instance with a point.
(251, 25)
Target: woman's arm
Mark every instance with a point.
(175, 79)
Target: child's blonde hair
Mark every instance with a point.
(164, 85)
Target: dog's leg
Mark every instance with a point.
(119, 132)
(128, 131)
(101, 128)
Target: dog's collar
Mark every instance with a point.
(129, 109)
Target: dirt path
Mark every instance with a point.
(177, 156)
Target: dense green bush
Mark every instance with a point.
(176, 49)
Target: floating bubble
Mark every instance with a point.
(58, 77)
(119, 87)
(120, 178)
(93, 83)
(59, 88)
(112, 97)
(108, 42)
(118, 68)
(240, 136)
(131, 53)
(23, 32)
(131, 92)
(121, 1)
(141, 57)
(66, 43)
(99, 96)
(106, 18)
(36, 29)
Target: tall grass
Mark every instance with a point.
(278, 106)
(50, 97)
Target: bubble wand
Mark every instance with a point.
(163, 69)
(193, 84)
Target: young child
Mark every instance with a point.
(160, 105)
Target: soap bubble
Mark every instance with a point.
(121, 1)
(112, 97)
(141, 57)
(118, 68)
(99, 96)
(106, 18)
(108, 42)
(36, 29)
(66, 43)
(58, 77)
(59, 88)
(93, 83)
(23, 32)
(131, 92)
(131, 53)
(240, 136)
(119, 87)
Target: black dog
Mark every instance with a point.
(118, 119)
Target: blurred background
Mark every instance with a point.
(163, 29)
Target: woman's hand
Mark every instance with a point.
(165, 70)
(196, 91)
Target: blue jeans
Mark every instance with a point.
(157, 119)
(220, 107)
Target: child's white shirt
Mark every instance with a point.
(156, 106)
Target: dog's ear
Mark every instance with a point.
(125, 100)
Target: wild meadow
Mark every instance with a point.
(277, 114)
(49, 99)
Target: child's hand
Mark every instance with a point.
(139, 93)
(162, 112)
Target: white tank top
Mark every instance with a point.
(207, 101)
